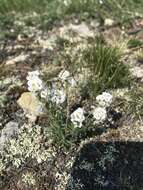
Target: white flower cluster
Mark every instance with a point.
(105, 99)
(54, 94)
(35, 84)
(58, 96)
(77, 117)
(64, 75)
(99, 113)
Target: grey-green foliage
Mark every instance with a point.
(132, 43)
(28, 179)
(28, 145)
(108, 156)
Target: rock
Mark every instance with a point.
(95, 24)
(10, 130)
(47, 43)
(31, 105)
(108, 22)
(81, 30)
(137, 72)
(108, 165)
(19, 58)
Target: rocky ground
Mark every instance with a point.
(31, 49)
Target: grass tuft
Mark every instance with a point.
(133, 43)
(106, 69)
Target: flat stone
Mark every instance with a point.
(31, 104)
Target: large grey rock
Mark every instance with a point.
(10, 130)
(108, 166)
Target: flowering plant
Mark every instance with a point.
(56, 94)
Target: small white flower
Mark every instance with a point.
(101, 2)
(34, 82)
(44, 93)
(58, 96)
(99, 114)
(35, 85)
(72, 82)
(64, 75)
(33, 75)
(104, 99)
(77, 117)
(67, 2)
